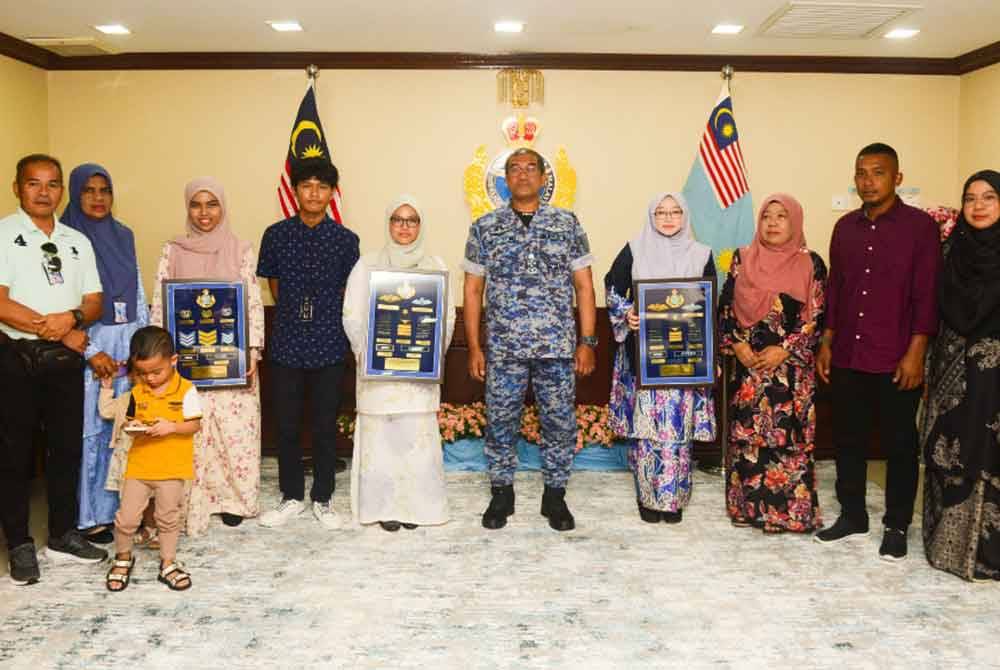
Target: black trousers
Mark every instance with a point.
(855, 397)
(56, 401)
(289, 389)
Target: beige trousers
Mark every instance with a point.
(168, 494)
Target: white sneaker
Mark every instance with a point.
(325, 515)
(280, 515)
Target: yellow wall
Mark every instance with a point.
(23, 121)
(629, 135)
(979, 135)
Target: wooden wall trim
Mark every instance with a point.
(25, 52)
(381, 60)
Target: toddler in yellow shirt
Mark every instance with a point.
(163, 415)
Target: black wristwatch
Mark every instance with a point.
(589, 340)
(77, 317)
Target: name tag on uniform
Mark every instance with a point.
(121, 311)
(306, 309)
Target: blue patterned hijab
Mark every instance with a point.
(114, 245)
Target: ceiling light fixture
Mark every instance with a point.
(114, 29)
(727, 29)
(508, 27)
(286, 26)
(901, 33)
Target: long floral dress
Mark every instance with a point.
(227, 448)
(961, 442)
(662, 422)
(771, 476)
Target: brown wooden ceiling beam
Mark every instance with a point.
(379, 60)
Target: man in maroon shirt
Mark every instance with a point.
(881, 309)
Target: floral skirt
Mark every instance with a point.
(773, 489)
(662, 474)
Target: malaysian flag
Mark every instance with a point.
(307, 141)
(717, 189)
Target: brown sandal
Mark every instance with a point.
(117, 577)
(174, 576)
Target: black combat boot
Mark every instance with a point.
(501, 507)
(554, 507)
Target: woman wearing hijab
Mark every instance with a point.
(662, 422)
(227, 448)
(961, 424)
(397, 470)
(124, 311)
(770, 313)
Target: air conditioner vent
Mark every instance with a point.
(72, 46)
(843, 20)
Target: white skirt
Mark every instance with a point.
(397, 471)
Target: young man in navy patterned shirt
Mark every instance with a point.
(306, 260)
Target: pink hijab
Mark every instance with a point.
(766, 270)
(214, 255)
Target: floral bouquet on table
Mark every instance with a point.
(345, 425)
(945, 217)
(458, 422)
(591, 426)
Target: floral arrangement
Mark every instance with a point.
(458, 422)
(945, 218)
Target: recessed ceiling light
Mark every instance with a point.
(727, 29)
(114, 29)
(508, 26)
(286, 26)
(901, 33)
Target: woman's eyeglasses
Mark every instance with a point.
(401, 222)
(668, 213)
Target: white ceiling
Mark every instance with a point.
(948, 27)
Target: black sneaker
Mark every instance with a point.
(24, 565)
(893, 545)
(554, 507)
(842, 529)
(72, 548)
(501, 507)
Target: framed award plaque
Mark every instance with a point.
(407, 318)
(676, 338)
(208, 321)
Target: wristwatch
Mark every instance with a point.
(77, 317)
(589, 340)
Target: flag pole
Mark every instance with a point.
(710, 465)
(312, 73)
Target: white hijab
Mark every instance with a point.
(656, 256)
(397, 255)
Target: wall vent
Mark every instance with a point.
(72, 46)
(838, 20)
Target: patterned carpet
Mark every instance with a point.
(616, 593)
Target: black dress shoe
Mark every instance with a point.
(554, 507)
(231, 520)
(649, 515)
(671, 517)
(410, 526)
(391, 526)
(501, 507)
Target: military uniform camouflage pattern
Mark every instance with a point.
(529, 280)
(555, 390)
(530, 332)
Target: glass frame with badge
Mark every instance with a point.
(676, 341)
(207, 320)
(407, 321)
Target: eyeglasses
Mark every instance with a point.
(517, 168)
(668, 213)
(91, 192)
(987, 199)
(52, 260)
(402, 222)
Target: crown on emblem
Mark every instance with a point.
(519, 131)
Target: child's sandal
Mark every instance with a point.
(175, 577)
(118, 578)
(146, 537)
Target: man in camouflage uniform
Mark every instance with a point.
(529, 258)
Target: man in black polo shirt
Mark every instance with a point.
(306, 260)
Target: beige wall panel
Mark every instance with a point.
(979, 132)
(23, 120)
(629, 135)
